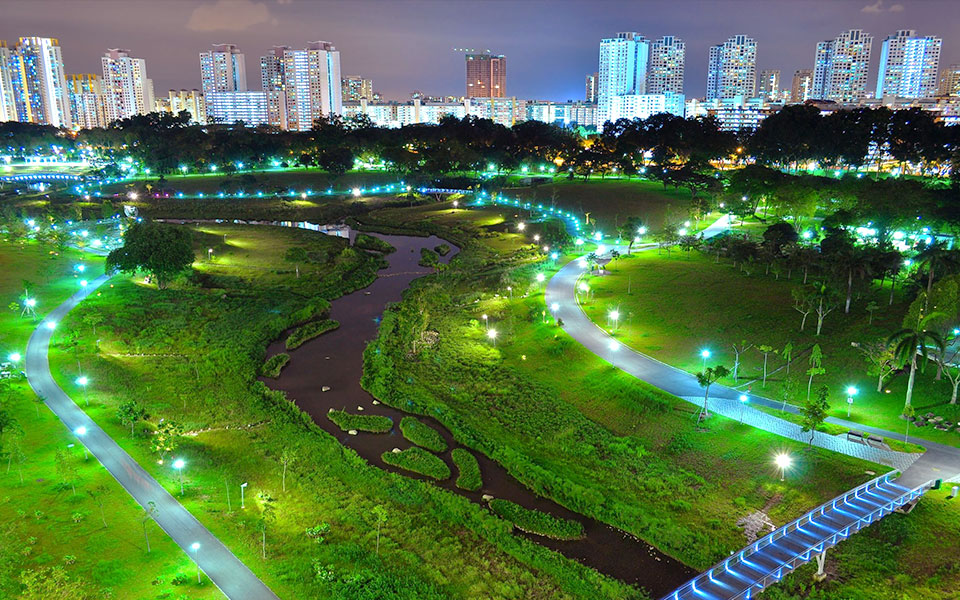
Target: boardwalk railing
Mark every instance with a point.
(749, 586)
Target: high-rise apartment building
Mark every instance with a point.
(623, 70)
(87, 108)
(357, 88)
(8, 110)
(841, 67)
(801, 89)
(769, 84)
(191, 101)
(909, 65)
(309, 81)
(665, 67)
(40, 93)
(486, 75)
(223, 69)
(590, 87)
(126, 89)
(950, 81)
(732, 69)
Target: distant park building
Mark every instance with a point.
(486, 75)
(732, 69)
(357, 88)
(841, 67)
(769, 87)
(223, 69)
(950, 81)
(909, 65)
(801, 89)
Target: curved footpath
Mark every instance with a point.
(939, 462)
(233, 578)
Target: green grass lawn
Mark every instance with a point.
(672, 307)
(190, 354)
(266, 181)
(611, 201)
(43, 524)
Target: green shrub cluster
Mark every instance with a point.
(307, 332)
(420, 461)
(369, 242)
(372, 423)
(442, 249)
(534, 521)
(428, 258)
(422, 434)
(274, 365)
(469, 478)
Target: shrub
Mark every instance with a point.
(274, 365)
(428, 258)
(469, 477)
(442, 249)
(422, 434)
(534, 521)
(309, 331)
(371, 423)
(369, 242)
(420, 461)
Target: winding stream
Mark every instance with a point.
(335, 359)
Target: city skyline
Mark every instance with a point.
(376, 44)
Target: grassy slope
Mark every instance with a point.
(112, 557)
(718, 306)
(243, 295)
(265, 181)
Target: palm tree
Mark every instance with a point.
(909, 342)
(706, 378)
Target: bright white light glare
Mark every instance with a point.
(582, 263)
(178, 464)
(82, 380)
(492, 334)
(584, 287)
(614, 346)
(15, 357)
(81, 431)
(540, 277)
(195, 546)
(31, 302)
(355, 192)
(555, 307)
(521, 226)
(83, 283)
(852, 391)
(614, 314)
(743, 398)
(705, 353)
(51, 325)
(783, 461)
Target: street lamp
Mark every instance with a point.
(82, 381)
(614, 346)
(178, 465)
(242, 486)
(80, 432)
(704, 354)
(554, 307)
(540, 277)
(521, 226)
(614, 316)
(536, 237)
(14, 358)
(51, 325)
(492, 335)
(851, 392)
(486, 324)
(196, 557)
(743, 402)
(783, 462)
(209, 254)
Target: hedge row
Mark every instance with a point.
(422, 434)
(372, 423)
(469, 478)
(420, 461)
(309, 331)
(534, 521)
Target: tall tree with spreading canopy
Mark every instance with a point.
(161, 250)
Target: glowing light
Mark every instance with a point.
(683, 231)
(521, 226)
(578, 242)
(83, 283)
(195, 546)
(536, 237)
(178, 464)
(852, 391)
(601, 249)
(31, 302)
(614, 346)
(213, 167)
(743, 398)
(554, 255)
(807, 235)
(81, 268)
(584, 288)
(555, 307)
(80, 431)
(15, 357)
(705, 354)
(82, 380)
(582, 263)
(540, 277)
(355, 192)
(614, 314)
(51, 325)
(546, 248)
(642, 230)
(492, 334)
(783, 461)
(303, 195)
(598, 236)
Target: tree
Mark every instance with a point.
(380, 519)
(787, 354)
(825, 300)
(765, 350)
(816, 366)
(336, 161)
(93, 319)
(130, 413)
(947, 363)
(16, 453)
(150, 512)
(287, 457)
(872, 307)
(803, 303)
(737, 351)
(97, 495)
(908, 412)
(912, 341)
(166, 438)
(937, 258)
(66, 470)
(267, 516)
(630, 231)
(881, 358)
(161, 250)
(814, 412)
(706, 378)
(296, 255)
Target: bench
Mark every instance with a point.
(863, 438)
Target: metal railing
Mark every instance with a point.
(776, 574)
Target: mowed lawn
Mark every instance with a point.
(612, 201)
(96, 534)
(267, 181)
(673, 307)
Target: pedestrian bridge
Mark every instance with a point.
(745, 574)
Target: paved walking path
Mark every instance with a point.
(940, 461)
(233, 578)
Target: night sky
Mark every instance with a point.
(407, 45)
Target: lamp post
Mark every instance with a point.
(704, 354)
(80, 432)
(492, 336)
(540, 277)
(82, 381)
(178, 465)
(486, 324)
(743, 402)
(615, 317)
(196, 558)
(209, 254)
(242, 486)
(614, 346)
(14, 358)
(851, 392)
(783, 462)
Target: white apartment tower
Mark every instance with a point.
(223, 69)
(841, 67)
(40, 93)
(623, 70)
(126, 89)
(909, 65)
(309, 80)
(665, 69)
(8, 109)
(732, 69)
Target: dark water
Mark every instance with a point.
(335, 359)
